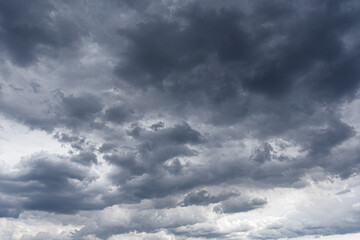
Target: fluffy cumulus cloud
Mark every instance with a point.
(171, 120)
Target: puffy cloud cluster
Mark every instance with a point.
(179, 119)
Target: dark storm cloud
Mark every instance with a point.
(29, 30)
(77, 143)
(240, 205)
(134, 4)
(308, 42)
(157, 126)
(85, 158)
(81, 107)
(262, 153)
(323, 140)
(77, 111)
(8, 209)
(49, 185)
(57, 110)
(153, 150)
(263, 168)
(129, 166)
(181, 134)
(160, 50)
(197, 82)
(203, 197)
(118, 114)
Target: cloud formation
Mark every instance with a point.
(179, 119)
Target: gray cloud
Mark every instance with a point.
(49, 185)
(147, 160)
(85, 158)
(118, 114)
(240, 205)
(81, 107)
(156, 126)
(171, 102)
(203, 197)
(161, 50)
(29, 30)
(262, 153)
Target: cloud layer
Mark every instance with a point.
(179, 119)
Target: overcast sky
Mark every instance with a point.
(179, 119)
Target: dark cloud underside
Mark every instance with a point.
(164, 108)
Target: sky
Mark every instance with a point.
(179, 119)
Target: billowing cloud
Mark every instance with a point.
(49, 183)
(29, 31)
(179, 119)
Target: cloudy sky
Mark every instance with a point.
(179, 119)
